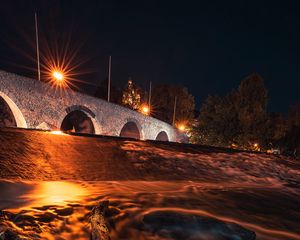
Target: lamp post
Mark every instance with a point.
(149, 97)
(37, 47)
(109, 75)
(174, 111)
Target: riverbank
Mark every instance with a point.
(50, 182)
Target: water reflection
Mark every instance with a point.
(57, 193)
(141, 210)
(16, 195)
(223, 193)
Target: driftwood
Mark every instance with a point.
(99, 230)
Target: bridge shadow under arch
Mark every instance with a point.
(131, 130)
(78, 121)
(162, 136)
(10, 114)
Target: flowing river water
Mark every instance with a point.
(50, 183)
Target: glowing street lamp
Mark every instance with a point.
(145, 109)
(58, 64)
(181, 127)
(58, 76)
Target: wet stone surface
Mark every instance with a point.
(50, 184)
(64, 211)
(172, 225)
(44, 222)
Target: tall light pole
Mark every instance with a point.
(109, 74)
(37, 47)
(174, 110)
(149, 97)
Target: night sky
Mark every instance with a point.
(209, 47)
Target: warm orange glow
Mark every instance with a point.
(145, 109)
(56, 193)
(233, 145)
(58, 76)
(57, 132)
(62, 56)
(181, 127)
(59, 66)
(256, 147)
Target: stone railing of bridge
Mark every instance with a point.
(36, 104)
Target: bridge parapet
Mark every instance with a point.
(37, 104)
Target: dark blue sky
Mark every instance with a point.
(209, 46)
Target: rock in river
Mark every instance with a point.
(175, 225)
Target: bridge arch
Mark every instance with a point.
(79, 119)
(132, 129)
(16, 112)
(162, 136)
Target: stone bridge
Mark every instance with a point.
(29, 103)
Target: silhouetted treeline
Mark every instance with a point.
(290, 141)
(239, 119)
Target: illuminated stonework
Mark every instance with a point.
(36, 104)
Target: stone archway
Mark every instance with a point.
(162, 136)
(78, 121)
(11, 115)
(130, 130)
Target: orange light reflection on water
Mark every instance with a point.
(56, 193)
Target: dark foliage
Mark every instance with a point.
(163, 97)
(237, 119)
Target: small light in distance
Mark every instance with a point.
(181, 127)
(57, 133)
(145, 109)
(233, 145)
(256, 147)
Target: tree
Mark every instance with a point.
(236, 119)
(290, 141)
(252, 97)
(131, 96)
(294, 115)
(162, 103)
(217, 122)
(278, 126)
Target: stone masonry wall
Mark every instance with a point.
(44, 107)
